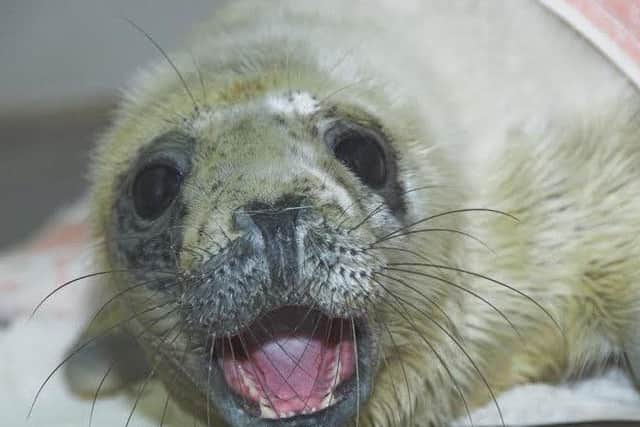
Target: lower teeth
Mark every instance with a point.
(268, 412)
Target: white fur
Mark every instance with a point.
(298, 103)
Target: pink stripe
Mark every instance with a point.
(612, 25)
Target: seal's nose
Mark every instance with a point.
(272, 229)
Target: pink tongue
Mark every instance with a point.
(288, 361)
(290, 371)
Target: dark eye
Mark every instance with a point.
(360, 151)
(154, 189)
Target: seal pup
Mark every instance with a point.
(371, 214)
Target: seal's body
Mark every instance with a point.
(374, 215)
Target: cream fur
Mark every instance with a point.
(500, 106)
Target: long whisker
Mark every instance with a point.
(355, 348)
(152, 372)
(458, 344)
(97, 393)
(209, 369)
(85, 344)
(168, 59)
(275, 368)
(71, 282)
(296, 360)
(165, 407)
(322, 353)
(443, 230)
(336, 377)
(255, 375)
(396, 394)
(422, 294)
(432, 217)
(402, 366)
(378, 208)
(401, 301)
(212, 338)
(203, 87)
(462, 288)
(393, 342)
(489, 279)
(280, 346)
(341, 89)
(120, 294)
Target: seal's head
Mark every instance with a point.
(256, 224)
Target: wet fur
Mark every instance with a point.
(485, 112)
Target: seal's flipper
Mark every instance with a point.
(110, 363)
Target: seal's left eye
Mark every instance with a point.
(361, 152)
(154, 189)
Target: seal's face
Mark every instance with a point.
(250, 235)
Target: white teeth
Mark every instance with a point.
(266, 409)
(249, 383)
(326, 402)
(333, 375)
(267, 412)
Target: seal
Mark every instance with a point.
(365, 214)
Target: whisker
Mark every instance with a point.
(336, 377)
(255, 375)
(469, 291)
(378, 208)
(402, 366)
(71, 282)
(403, 250)
(439, 215)
(342, 89)
(275, 368)
(212, 338)
(97, 393)
(355, 347)
(322, 353)
(423, 295)
(203, 87)
(88, 342)
(443, 230)
(120, 294)
(152, 371)
(209, 368)
(165, 407)
(168, 59)
(401, 302)
(489, 279)
(280, 346)
(294, 359)
(396, 394)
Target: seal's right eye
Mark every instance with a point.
(154, 189)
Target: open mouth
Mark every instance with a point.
(293, 361)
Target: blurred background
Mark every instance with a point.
(62, 63)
